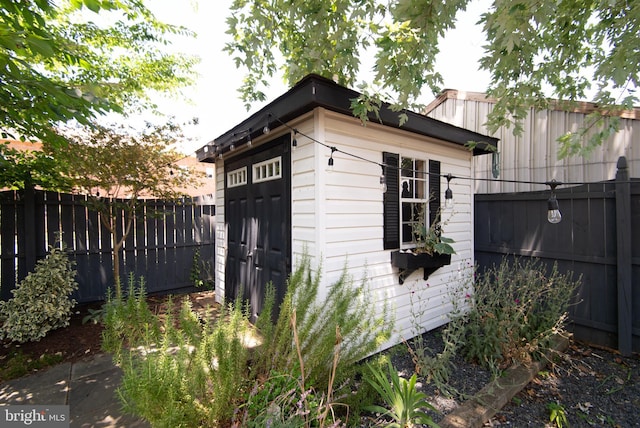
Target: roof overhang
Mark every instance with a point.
(316, 91)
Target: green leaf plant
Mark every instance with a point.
(404, 401)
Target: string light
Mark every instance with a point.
(553, 209)
(554, 215)
(448, 194)
(383, 182)
(330, 163)
(266, 130)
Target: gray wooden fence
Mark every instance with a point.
(597, 238)
(161, 248)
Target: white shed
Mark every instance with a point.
(276, 198)
(532, 156)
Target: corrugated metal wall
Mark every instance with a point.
(533, 155)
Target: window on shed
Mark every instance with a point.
(413, 195)
(237, 177)
(267, 170)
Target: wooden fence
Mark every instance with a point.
(161, 248)
(598, 238)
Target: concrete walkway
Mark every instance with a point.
(87, 387)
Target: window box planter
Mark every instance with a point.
(407, 262)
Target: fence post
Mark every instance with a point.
(623, 232)
(30, 227)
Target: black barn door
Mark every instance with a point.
(257, 212)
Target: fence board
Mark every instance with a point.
(151, 251)
(8, 275)
(514, 224)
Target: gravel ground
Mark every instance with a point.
(596, 388)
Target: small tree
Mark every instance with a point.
(118, 168)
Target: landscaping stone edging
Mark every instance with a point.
(490, 399)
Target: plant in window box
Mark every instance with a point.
(429, 240)
(431, 250)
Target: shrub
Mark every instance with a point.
(41, 301)
(516, 309)
(193, 376)
(128, 320)
(199, 372)
(347, 306)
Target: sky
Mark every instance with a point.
(214, 97)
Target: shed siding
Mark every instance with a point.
(342, 213)
(221, 234)
(533, 155)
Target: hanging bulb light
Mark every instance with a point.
(266, 130)
(383, 183)
(330, 163)
(294, 142)
(553, 211)
(553, 208)
(448, 194)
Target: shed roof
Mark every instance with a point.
(317, 91)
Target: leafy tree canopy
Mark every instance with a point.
(118, 167)
(536, 50)
(58, 65)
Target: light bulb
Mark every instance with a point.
(383, 183)
(330, 164)
(448, 199)
(553, 210)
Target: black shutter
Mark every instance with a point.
(391, 201)
(434, 190)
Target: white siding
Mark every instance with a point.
(338, 216)
(533, 155)
(221, 234)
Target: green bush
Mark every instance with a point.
(194, 375)
(41, 301)
(128, 320)
(196, 371)
(515, 310)
(347, 307)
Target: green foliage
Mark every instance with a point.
(429, 239)
(40, 302)
(21, 169)
(191, 370)
(17, 364)
(515, 310)
(346, 306)
(59, 66)
(129, 165)
(435, 366)
(201, 275)
(557, 415)
(535, 50)
(194, 375)
(128, 321)
(405, 402)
